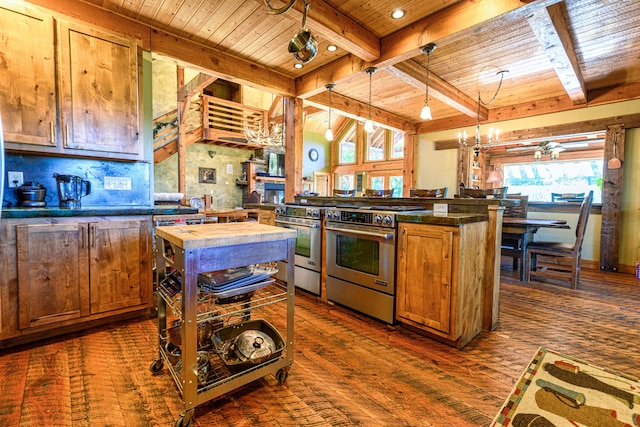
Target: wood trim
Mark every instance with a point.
(612, 185)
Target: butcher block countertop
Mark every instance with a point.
(225, 234)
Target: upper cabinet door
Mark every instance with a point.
(99, 91)
(27, 76)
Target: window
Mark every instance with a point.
(376, 144)
(346, 182)
(377, 183)
(347, 147)
(397, 147)
(395, 182)
(538, 180)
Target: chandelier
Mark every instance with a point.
(272, 135)
(494, 135)
(546, 148)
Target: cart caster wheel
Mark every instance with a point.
(156, 365)
(282, 375)
(184, 420)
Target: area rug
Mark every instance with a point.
(559, 390)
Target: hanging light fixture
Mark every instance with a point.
(546, 148)
(303, 45)
(425, 114)
(368, 125)
(329, 133)
(494, 135)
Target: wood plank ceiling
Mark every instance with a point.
(560, 54)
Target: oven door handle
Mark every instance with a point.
(297, 224)
(385, 236)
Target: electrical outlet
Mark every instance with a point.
(15, 179)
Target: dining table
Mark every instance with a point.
(519, 232)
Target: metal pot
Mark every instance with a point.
(31, 191)
(254, 346)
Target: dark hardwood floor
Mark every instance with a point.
(348, 370)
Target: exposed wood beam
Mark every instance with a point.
(332, 25)
(354, 109)
(536, 108)
(453, 23)
(195, 85)
(414, 75)
(549, 27)
(187, 53)
(587, 126)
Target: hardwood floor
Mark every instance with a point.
(348, 370)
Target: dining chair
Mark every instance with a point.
(513, 239)
(344, 193)
(559, 260)
(369, 192)
(475, 193)
(423, 192)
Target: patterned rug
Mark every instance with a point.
(559, 390)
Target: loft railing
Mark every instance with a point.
(224, 123)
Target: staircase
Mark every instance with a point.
(208, 120)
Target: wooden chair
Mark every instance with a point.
(421, 192)
(344, 193)
(560, 261)
(475, 193)
(369, 192)
(513, 238)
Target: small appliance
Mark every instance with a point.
(71, 189)
(32, 195)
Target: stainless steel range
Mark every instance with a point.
(307, 221)
(361, 251)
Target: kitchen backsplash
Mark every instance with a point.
(127, 183)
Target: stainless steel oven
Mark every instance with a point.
(307, 222)
(361, 259)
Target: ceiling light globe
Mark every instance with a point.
(425, 114)
(329, 134)
(368, 126)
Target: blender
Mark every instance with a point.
(71, 189)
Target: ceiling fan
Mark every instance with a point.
(548, 148)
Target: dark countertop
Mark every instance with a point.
(95, 211)
(452, 219)
(267, 206)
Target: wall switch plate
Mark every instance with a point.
(15, 179)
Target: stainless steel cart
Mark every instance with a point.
(212, 247)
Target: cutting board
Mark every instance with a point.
(225, 234)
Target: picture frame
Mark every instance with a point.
(207, 175)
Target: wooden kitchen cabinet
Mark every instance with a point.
(439, 280)
(27, 87)
(92, 75)
(67, 273)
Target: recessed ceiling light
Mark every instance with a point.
(397, 13)
(332, 48)
(297, 65)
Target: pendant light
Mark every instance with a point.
(329, 133)
(425, 114)
(368, 125)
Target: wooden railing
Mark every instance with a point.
(209, 119)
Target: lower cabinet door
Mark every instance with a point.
(424, 282)
(53, 273)
(119, 264)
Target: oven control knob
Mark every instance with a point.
(315, 214)
(378, 219)
(336, 215)
(387, 220)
